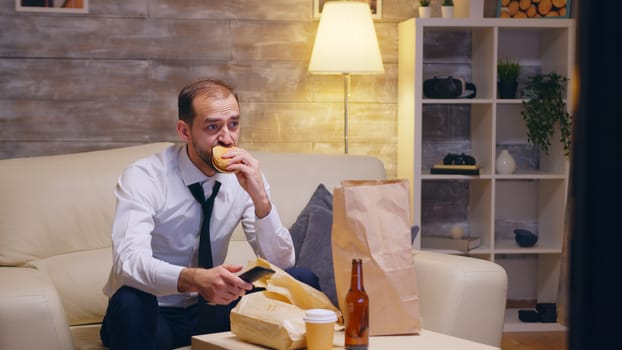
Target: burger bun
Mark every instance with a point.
(220, 164)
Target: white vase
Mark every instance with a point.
(447, 11)
(505, 163)
(425, 12)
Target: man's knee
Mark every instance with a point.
(304, 275)
(130, 313)
(128, 299)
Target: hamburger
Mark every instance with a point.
(218, 162)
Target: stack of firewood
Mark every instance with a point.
(533, 8)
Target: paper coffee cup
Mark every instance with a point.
(320, 327)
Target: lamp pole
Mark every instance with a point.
(346, 94)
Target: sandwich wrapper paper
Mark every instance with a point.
(274, 317)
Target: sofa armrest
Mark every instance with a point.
(31, 314)
(461, 296)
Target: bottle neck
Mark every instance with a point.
(356, 282)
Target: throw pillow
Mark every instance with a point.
(316, 252)
(321, 197)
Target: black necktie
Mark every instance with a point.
(205, 247)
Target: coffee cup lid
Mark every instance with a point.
(320, 316)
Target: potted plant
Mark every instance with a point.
(424, 9)
(447, 8)
(507, 76)
(545, 111)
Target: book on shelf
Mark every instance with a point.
(464, 244)
(455, 169)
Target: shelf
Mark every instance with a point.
(510, 247)
(489, 205)
(513, 324)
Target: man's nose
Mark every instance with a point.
(225, 136)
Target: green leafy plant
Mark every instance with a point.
(545, 110)
(448, 3)
(424, 3)
(508, 70)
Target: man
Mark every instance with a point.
(159, 296)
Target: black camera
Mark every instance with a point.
(458, 159)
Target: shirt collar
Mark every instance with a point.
(189, 172)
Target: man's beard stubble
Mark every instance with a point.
(205, 157)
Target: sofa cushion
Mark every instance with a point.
(312, 242)
(316, 253)
(321, 197)
(79, 278)
(60, 204)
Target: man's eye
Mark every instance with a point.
(212, 127)
(234, 125)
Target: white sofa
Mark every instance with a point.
(55, 221)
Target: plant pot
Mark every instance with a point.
(507, 88)
(447, 11)
(469, 8)
(425, 12)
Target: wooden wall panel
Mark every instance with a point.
(270, 10)
(73, 79)
(114, 38)
(272, 40)
(85, 121)
(253, 80)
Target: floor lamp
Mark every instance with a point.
(346, 44)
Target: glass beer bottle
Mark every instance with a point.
(357, 304)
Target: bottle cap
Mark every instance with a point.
(320, 316)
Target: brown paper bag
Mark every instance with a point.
(274, 317)
(371, 221)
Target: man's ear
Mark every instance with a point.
(183, 130)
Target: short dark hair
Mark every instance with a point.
(210, 88)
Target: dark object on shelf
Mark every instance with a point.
(445, 242)
(459, 159)
(548, 312)
(544, 312)
(448, 87)
(455, 169)
(528, 315)
(525, 238)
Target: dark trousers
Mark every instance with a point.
(134, 320)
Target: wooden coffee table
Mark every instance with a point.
(427, 340)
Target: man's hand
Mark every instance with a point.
(218, 285)
(249, 176)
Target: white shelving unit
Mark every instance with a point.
(533, 196)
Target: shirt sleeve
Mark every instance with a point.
(138, 195)
(268, 237)
(274, 241)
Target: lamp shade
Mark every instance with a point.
(346, 40)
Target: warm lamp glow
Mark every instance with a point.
(346, 40)
(346, 43)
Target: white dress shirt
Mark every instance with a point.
(157, 225)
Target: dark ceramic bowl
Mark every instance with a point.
(525, 238)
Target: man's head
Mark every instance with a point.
(209, 115)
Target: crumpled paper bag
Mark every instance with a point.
(261, 320)
(274, 317)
